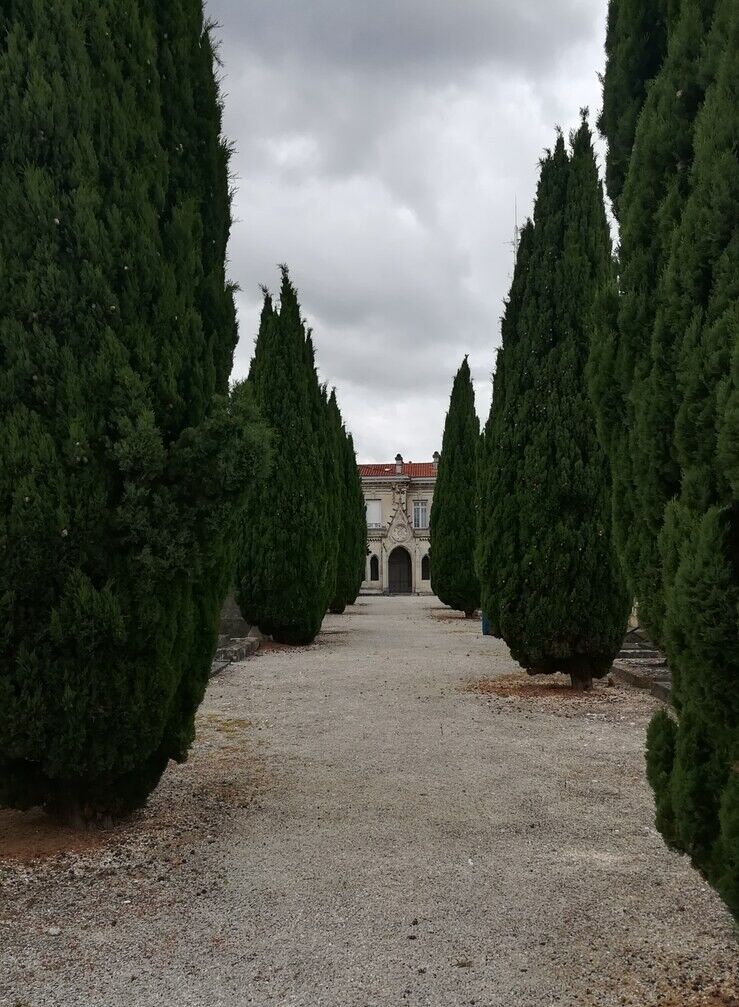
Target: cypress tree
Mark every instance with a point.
(287, 546)
(352, 522)
(636, 40)
(557, 595)
(497, 515)
(330, 420)
(121, 460)
(633, 367)
(328, 424)
(671, 425)
(355, 554)
(453, 511)
(692, 763)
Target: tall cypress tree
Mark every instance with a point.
(636, 40)
(120, 460)
(330, 421)
(692, 763)
(352, 521)
(286, 553)
(453, 511)
(497, 514)
(355, 555)
(556, 595)
(633, 370)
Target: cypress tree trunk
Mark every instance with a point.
(453, 519)
(287, 546)
(120, 466)
(556, 594)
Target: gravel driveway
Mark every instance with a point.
(357, 827)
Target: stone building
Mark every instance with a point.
(398, 497)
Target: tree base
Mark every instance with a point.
(582, 670)
(582, 680)
(83, 817)
(82, 802)
(294, 637)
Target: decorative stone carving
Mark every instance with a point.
(400, 533)
(400, 529)
(400, 496)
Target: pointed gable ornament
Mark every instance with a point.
(399, 530)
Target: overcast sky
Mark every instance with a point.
(380, 149)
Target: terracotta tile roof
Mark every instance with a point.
(414, 470)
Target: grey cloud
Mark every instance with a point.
(432, 38)
(380, 148)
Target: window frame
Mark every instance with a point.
(417, 505)
(374, 524)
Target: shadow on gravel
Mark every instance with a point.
(707, 999)
(193, 799)
(556, 688)
(444, 614)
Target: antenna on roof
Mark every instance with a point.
(516, 240)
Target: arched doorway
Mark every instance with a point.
(400, 572)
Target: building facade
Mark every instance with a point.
(398, 496)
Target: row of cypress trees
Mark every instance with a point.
(125, 460)
(609, 465)
(664, 380)
(303, 536)
(521, 515)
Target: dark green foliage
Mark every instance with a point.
(331, 439)
(726, 876)
(633, 370)
(121, 460)
(352, 522)
(660, 757)
(498, 543)
(672, 428)
(302, 541)
(453, 511)
(551, 581)
(287, 549)
(636, 40)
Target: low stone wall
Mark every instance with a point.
(642, 665)
(233, 625)
(237, 640)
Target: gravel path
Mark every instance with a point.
(356, 827)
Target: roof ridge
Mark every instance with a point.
(389, 468)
